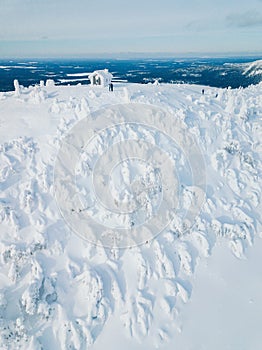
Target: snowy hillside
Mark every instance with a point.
(254, 68)
(181, 180)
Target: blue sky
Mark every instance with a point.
(64, 28)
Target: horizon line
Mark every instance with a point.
(147, 55)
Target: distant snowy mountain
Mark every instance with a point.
(253, 69)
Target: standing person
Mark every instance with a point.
(111, 87)
(203, 91)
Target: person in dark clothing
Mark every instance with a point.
(111, 87)
(203, 91)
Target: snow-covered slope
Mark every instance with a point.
(57, 290)
(254, 68)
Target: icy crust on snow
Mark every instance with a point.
(58, 291)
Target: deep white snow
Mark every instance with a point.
(195, 285)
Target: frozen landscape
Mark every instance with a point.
(217, 72)
(190, 281)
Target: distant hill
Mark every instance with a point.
(253, 69)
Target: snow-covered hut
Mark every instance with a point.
(100, 77)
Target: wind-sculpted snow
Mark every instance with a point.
(120, 171)
(63, 278)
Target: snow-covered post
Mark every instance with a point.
(17, 87)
